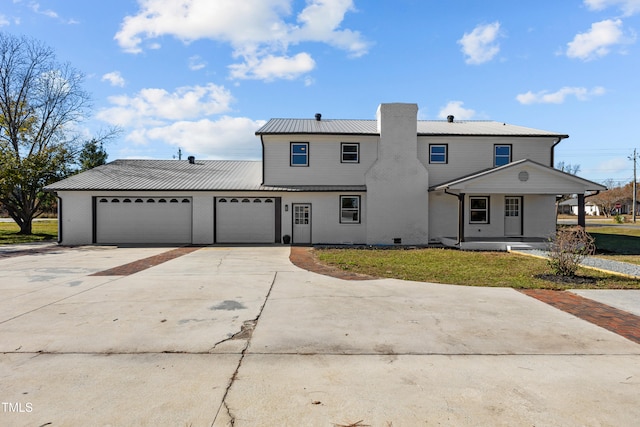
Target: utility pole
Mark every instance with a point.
(635, 201)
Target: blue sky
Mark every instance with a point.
(203, 75)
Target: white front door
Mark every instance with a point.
(301, 223)
(513, 216)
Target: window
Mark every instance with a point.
(350, 153)
(350, 209)
(438, 153)
(502, 155)
(478, 210)
(299, 154)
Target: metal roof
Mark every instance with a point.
(424, 128)
(179, 175)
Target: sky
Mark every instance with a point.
(201, 76)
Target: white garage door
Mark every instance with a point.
(245, 220)
(143, 220)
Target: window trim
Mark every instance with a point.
(292, 154)
(342, 152)
(495, 154)
(487, 209)
(446, 154)
(357, 210)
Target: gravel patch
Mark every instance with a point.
(599, 263)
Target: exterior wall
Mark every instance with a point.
(76, 219)
(539, 215)
(473, 154)
(397, 184)
(443, 216)
(325, 218)
(77, 215)
(324, 167)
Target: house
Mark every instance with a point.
(392, 180)
(570, 207)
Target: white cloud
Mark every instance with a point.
(455, 108)
(49, 13)
(558, 97)
(196, 63)
(628, 7)
(3, 20)
(480, 45)
(225, 138)
(114, 78)
(597, 42)
(189, 118)
(157, 106)
(259, 31)
(273, 67)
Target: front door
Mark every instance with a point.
(302, 223)
(513, 216)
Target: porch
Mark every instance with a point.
(496, 243)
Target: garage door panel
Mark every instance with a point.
(245, 220)
(143, 220)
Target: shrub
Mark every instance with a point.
(568, 248)
(619, 219)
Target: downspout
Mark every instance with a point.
(262, 142)
(460, 215)
(553, 151)
(59, 219)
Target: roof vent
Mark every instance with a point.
(192, 160)
(318, 116)
(450, 119)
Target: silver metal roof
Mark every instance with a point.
(425, 128)
(179, 175)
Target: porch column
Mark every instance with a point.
(461, 217)
(582, 222)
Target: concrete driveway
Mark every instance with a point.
(221, 336)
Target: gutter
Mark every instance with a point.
(553, 147)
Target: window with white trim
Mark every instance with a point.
(502, 155)
(479, 210)
(299, 154)
(349, 209)
(438, 153)
(349, 152)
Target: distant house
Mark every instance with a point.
(570, 207)
(393, 180)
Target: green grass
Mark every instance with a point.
(466, 268)
(490, 268)
(42, 230)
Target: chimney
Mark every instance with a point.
(318, 116)
(192, 160)
(450, 119)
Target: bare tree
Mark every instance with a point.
(607, 200)
(40, 101)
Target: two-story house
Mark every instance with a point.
(393, 180)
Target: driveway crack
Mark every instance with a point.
(246, 332)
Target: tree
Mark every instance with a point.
(40, 100)
(608, 199)
(568, 168)
(92, 155)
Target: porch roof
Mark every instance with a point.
(520, 177)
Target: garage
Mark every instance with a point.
(245, 219)
(141, 220)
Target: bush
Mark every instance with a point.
(619, 219)
(568, 248)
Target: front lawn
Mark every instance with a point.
(42, 230)
(467, 268)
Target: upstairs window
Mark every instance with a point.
(350, 153)
(438, 153)
(502, 155)
(350, 209)
(299, 154)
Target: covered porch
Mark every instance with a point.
(508, 207)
